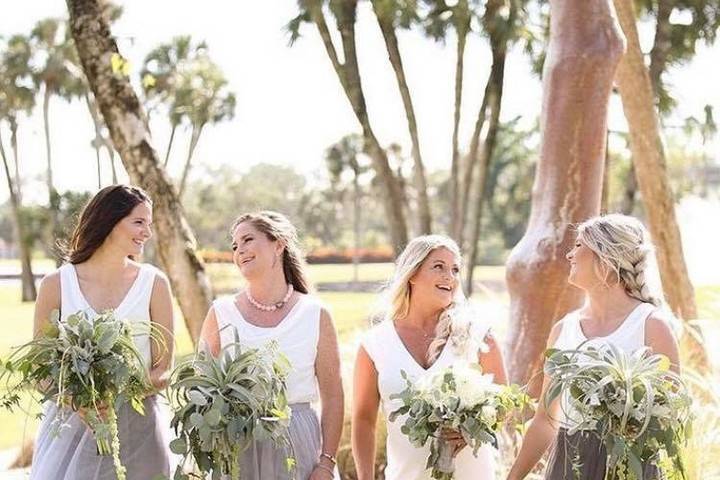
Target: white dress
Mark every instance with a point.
(585, 447)
(297, 337)
(390, 356)
(143, 439)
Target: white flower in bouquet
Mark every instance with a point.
(461, 398)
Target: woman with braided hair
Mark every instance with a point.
(610, 263)
(425, 327)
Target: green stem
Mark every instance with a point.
(112, 423)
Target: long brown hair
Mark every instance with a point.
(276, 226)
(99, 217)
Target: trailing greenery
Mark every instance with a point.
(224, 403)
(634, 403)
(85, 365)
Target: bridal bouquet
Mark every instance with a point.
(637, 406)
(223, 404)
(459, 398)
(86, 365)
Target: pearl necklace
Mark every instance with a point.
(269, 308)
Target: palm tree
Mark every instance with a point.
(53, 54)
(501, 29)
(201, 95)
(17, 96)
(437, 22)
(345, 155)
(348, 73)
(160, 77)
(638, 99)
(392, 14)
(126, 120)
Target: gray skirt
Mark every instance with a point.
(72, 455)
(586, 450)
(263, 461)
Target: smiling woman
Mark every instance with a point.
(275, 306)
(426, 327)
(102, 276)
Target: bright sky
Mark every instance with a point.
(290, 105)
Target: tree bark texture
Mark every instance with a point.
(124, 116)
(585, 46)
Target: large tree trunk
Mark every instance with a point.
(493, 99)
(391, 44)
(126, 121)
(349, 75)
(648, 154)
(585, 46)
(27, 280)
(658, 62)
(456, 225)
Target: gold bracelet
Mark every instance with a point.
(329, 457)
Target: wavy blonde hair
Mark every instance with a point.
(622, 246)
(398, 292)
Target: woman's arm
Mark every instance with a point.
(491, 359)
(210, 334)
(327, 370)
(366, 400)
(660, 338)
(162, 320)
(543, 427)
(48, 299)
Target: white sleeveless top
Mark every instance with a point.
(390, 356)
(134, 307)
(297, 336)
(628, 337)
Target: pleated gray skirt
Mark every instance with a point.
(263, 461)
(72, 455)
(586, 450)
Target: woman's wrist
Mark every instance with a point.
(326, 469)
(328, 459)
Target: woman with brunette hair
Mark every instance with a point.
(610, 263)
(425, 326)
(102, 273)
(275, 305)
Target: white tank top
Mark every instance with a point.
(297, 336)
(628, 337)
(390, 356)
(134, 307)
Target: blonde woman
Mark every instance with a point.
(610, 263)
(275, 305)
(421, 332)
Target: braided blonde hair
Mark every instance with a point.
(398, 292)
(623, 247)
